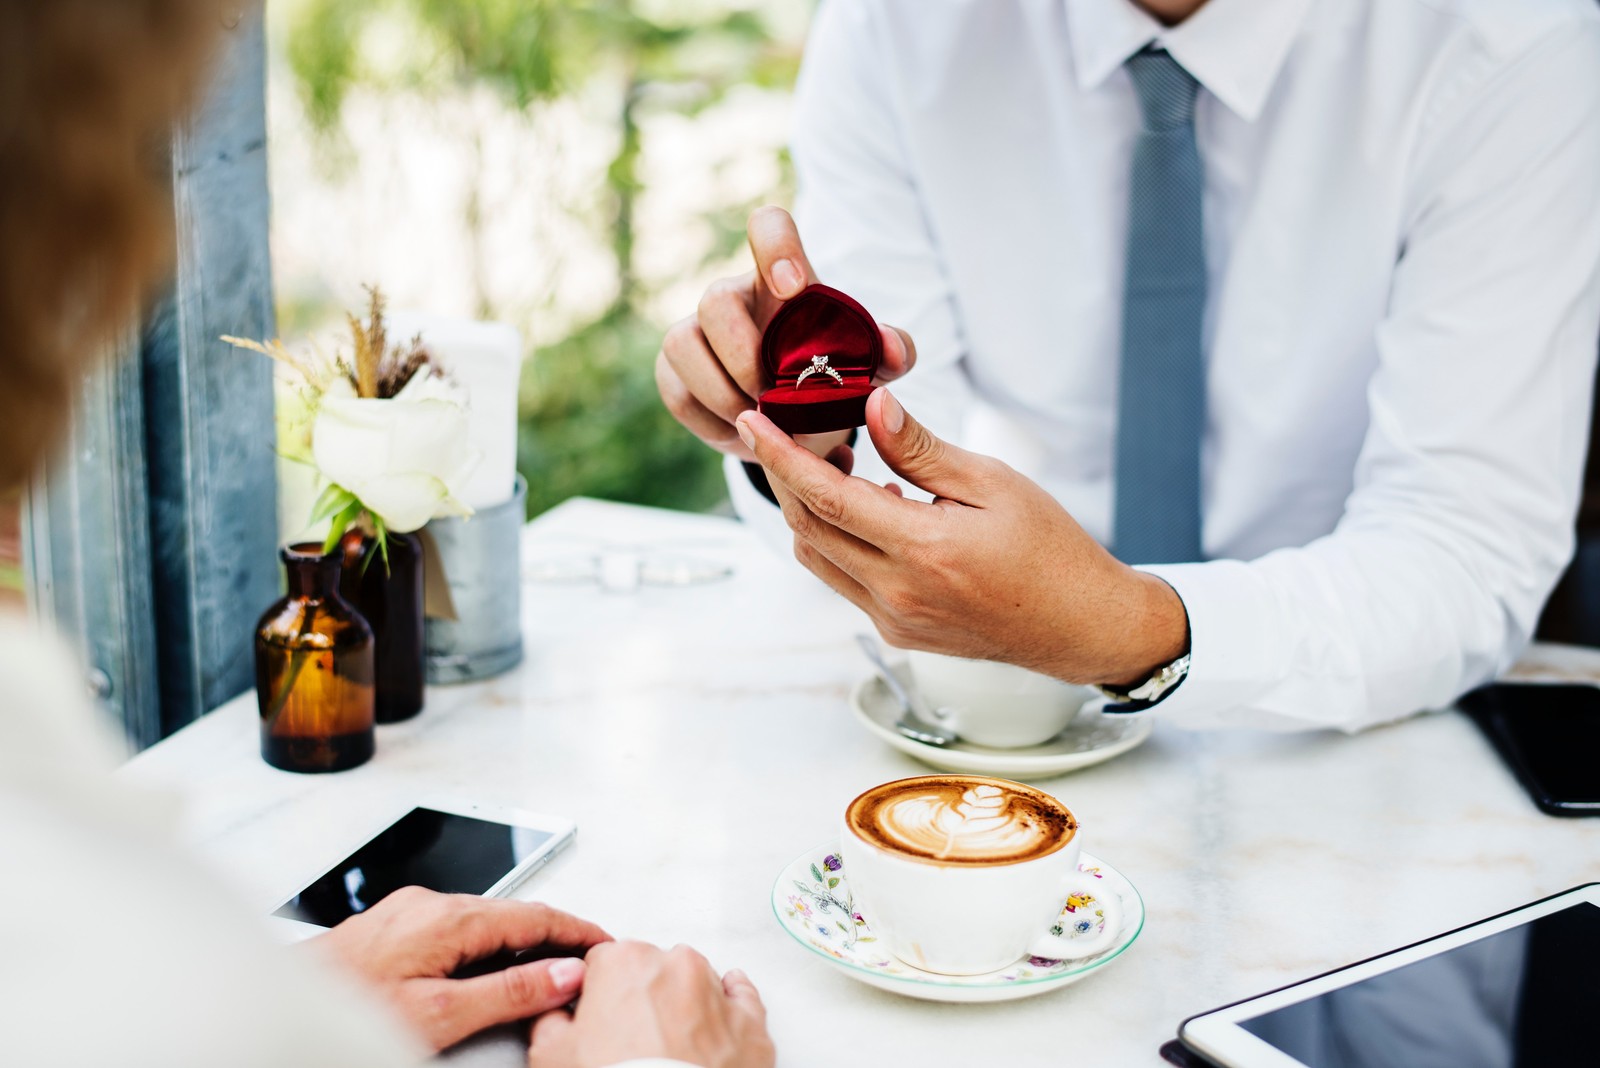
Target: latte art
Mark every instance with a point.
(956, 819)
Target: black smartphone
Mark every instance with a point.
(459, 848)
(1549, 734)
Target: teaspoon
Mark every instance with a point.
(911, 724)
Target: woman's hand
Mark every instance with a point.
(408, 945)
(640, 1001)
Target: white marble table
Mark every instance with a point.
(700, 737)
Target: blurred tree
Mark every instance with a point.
(591, 422)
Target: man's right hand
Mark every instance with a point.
(709, 369)
(640, 1001)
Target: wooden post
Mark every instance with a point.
(208, 408)
(151, 541)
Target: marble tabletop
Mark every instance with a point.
(700, 737)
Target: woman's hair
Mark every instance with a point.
(89, 90)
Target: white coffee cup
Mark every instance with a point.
(994, 704)
(969, 918)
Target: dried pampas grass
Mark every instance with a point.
(379, 370)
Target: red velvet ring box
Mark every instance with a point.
(819, 322)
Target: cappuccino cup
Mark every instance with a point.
(964, 874)
(999, 705)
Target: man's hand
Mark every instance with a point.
(407, 945)
(709, 369)
(993, 569)
(640, 1001)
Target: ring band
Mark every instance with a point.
(819, 363)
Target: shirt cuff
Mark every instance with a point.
(759, 481)
(1234, 654)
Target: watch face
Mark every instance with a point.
(1169, 676)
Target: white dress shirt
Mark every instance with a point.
(1402, 218)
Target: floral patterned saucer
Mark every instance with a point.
(812, 902)
(1091, 738)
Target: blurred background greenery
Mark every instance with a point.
(12, 584)
(579, 170)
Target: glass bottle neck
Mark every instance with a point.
(310, 573)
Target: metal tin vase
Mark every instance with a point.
(481, 559)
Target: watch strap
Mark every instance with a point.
(1149, 693)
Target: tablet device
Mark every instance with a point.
(1518, 990)
(450, 847)
(1548, 734)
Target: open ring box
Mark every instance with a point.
(819, 321)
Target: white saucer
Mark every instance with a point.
(812, 902)
(1091, 738)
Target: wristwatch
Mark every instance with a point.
(1151, 691)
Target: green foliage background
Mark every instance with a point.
(591, 421)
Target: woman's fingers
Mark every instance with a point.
(479, 926)
(452, 1009)
(551, 1041)
(743, 994)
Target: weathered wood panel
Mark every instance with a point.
(208, 407)
(88, 535)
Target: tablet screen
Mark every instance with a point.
(1523, 997)
(442, 851)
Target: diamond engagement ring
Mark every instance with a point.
(819, 364)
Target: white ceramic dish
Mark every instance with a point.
(1091, 738)
(812, 902)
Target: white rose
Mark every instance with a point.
(295, 411)
(404, 458)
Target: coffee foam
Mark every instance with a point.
(961, 819)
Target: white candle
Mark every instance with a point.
(486, 359)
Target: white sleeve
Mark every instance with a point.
(865, 231)
(119, 948)
(1467, 483)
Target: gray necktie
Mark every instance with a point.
(1162, 401)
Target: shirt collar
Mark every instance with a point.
(1234, 48)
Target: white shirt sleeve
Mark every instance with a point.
(865, 233)
(1468, 479)
(120, 949)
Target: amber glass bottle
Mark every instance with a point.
(314, 670)
(389, 598)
